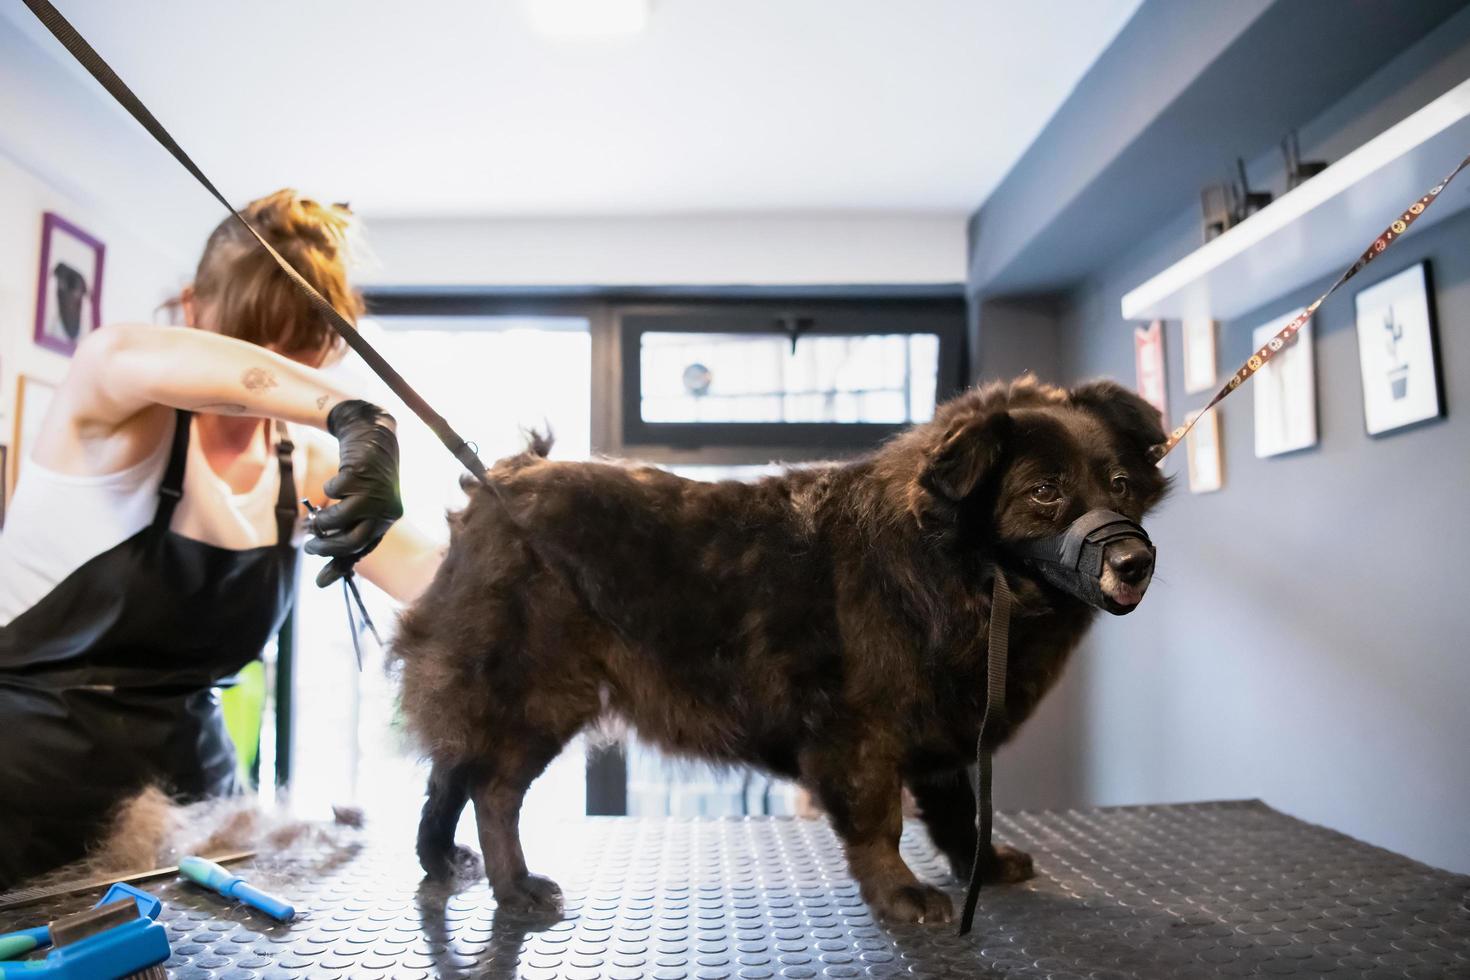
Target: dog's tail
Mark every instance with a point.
(539, 443)
(538, 447)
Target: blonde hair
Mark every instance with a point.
(246, 295)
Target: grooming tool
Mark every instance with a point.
(116, 938)
(15, 944)
(349, 585)
(25, 896)
(216, 878)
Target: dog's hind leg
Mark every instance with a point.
(499, 788)
(947, 807)
(448, 792)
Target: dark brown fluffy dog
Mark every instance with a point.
(828, 624)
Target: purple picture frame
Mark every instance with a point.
(51, 224)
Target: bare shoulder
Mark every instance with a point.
(81, 434)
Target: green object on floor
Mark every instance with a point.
(244, 708)
(17, 945)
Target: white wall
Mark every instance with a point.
(63, 149)
(705, 250)
(137, 275)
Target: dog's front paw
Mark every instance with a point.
(531, 894)
(1008, 866)
(913, 903)
(448, 864)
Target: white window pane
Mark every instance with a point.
(710, 377)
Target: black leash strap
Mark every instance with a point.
(92, 61)
(995, 712)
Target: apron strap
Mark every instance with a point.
(172, 487)
(286, 506)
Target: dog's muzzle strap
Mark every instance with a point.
(995, 712)
(1080, 547)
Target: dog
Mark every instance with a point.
(828, 624)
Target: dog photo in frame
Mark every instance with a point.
(1398, 352)
(68, 286)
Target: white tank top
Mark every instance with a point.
(57, 522)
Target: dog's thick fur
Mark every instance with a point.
(828, 624)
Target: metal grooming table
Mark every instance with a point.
(1205, 890)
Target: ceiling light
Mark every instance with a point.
(588, 18)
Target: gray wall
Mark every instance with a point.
(1305, 641)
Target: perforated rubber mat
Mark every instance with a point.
(1206, 890)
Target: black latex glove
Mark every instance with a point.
(366, 488)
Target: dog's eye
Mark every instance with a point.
(1046, 493)
(1120, 485)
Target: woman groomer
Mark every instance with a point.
(150, 548)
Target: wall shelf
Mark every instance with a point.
(1321, 226)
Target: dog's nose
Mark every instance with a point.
(1132, 565)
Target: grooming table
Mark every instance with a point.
(1205, 890)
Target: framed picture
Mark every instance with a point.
(1199, 355)
(1148, 360)
(1397, 351)
(1286, 392)
(1202, 446)
(69, 286)
(32, 398)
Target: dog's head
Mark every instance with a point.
(1008, 466)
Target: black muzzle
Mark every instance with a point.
(1074, 560)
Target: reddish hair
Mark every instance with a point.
(246, 295)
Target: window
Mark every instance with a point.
(692, 377)
(826, 377)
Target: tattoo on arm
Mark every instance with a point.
(321, 402)
(258, 379)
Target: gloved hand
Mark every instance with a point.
(366, 487)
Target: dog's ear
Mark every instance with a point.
(956, 465)
(1134, 420)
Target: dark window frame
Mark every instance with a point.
(765, 319)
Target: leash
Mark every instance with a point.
(995, 712)
(1275, 345)
(89, 59)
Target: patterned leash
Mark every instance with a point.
(1274, 346)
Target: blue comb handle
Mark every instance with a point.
(216, 878)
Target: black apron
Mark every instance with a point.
(108, 683)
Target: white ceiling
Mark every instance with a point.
(453, 107)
